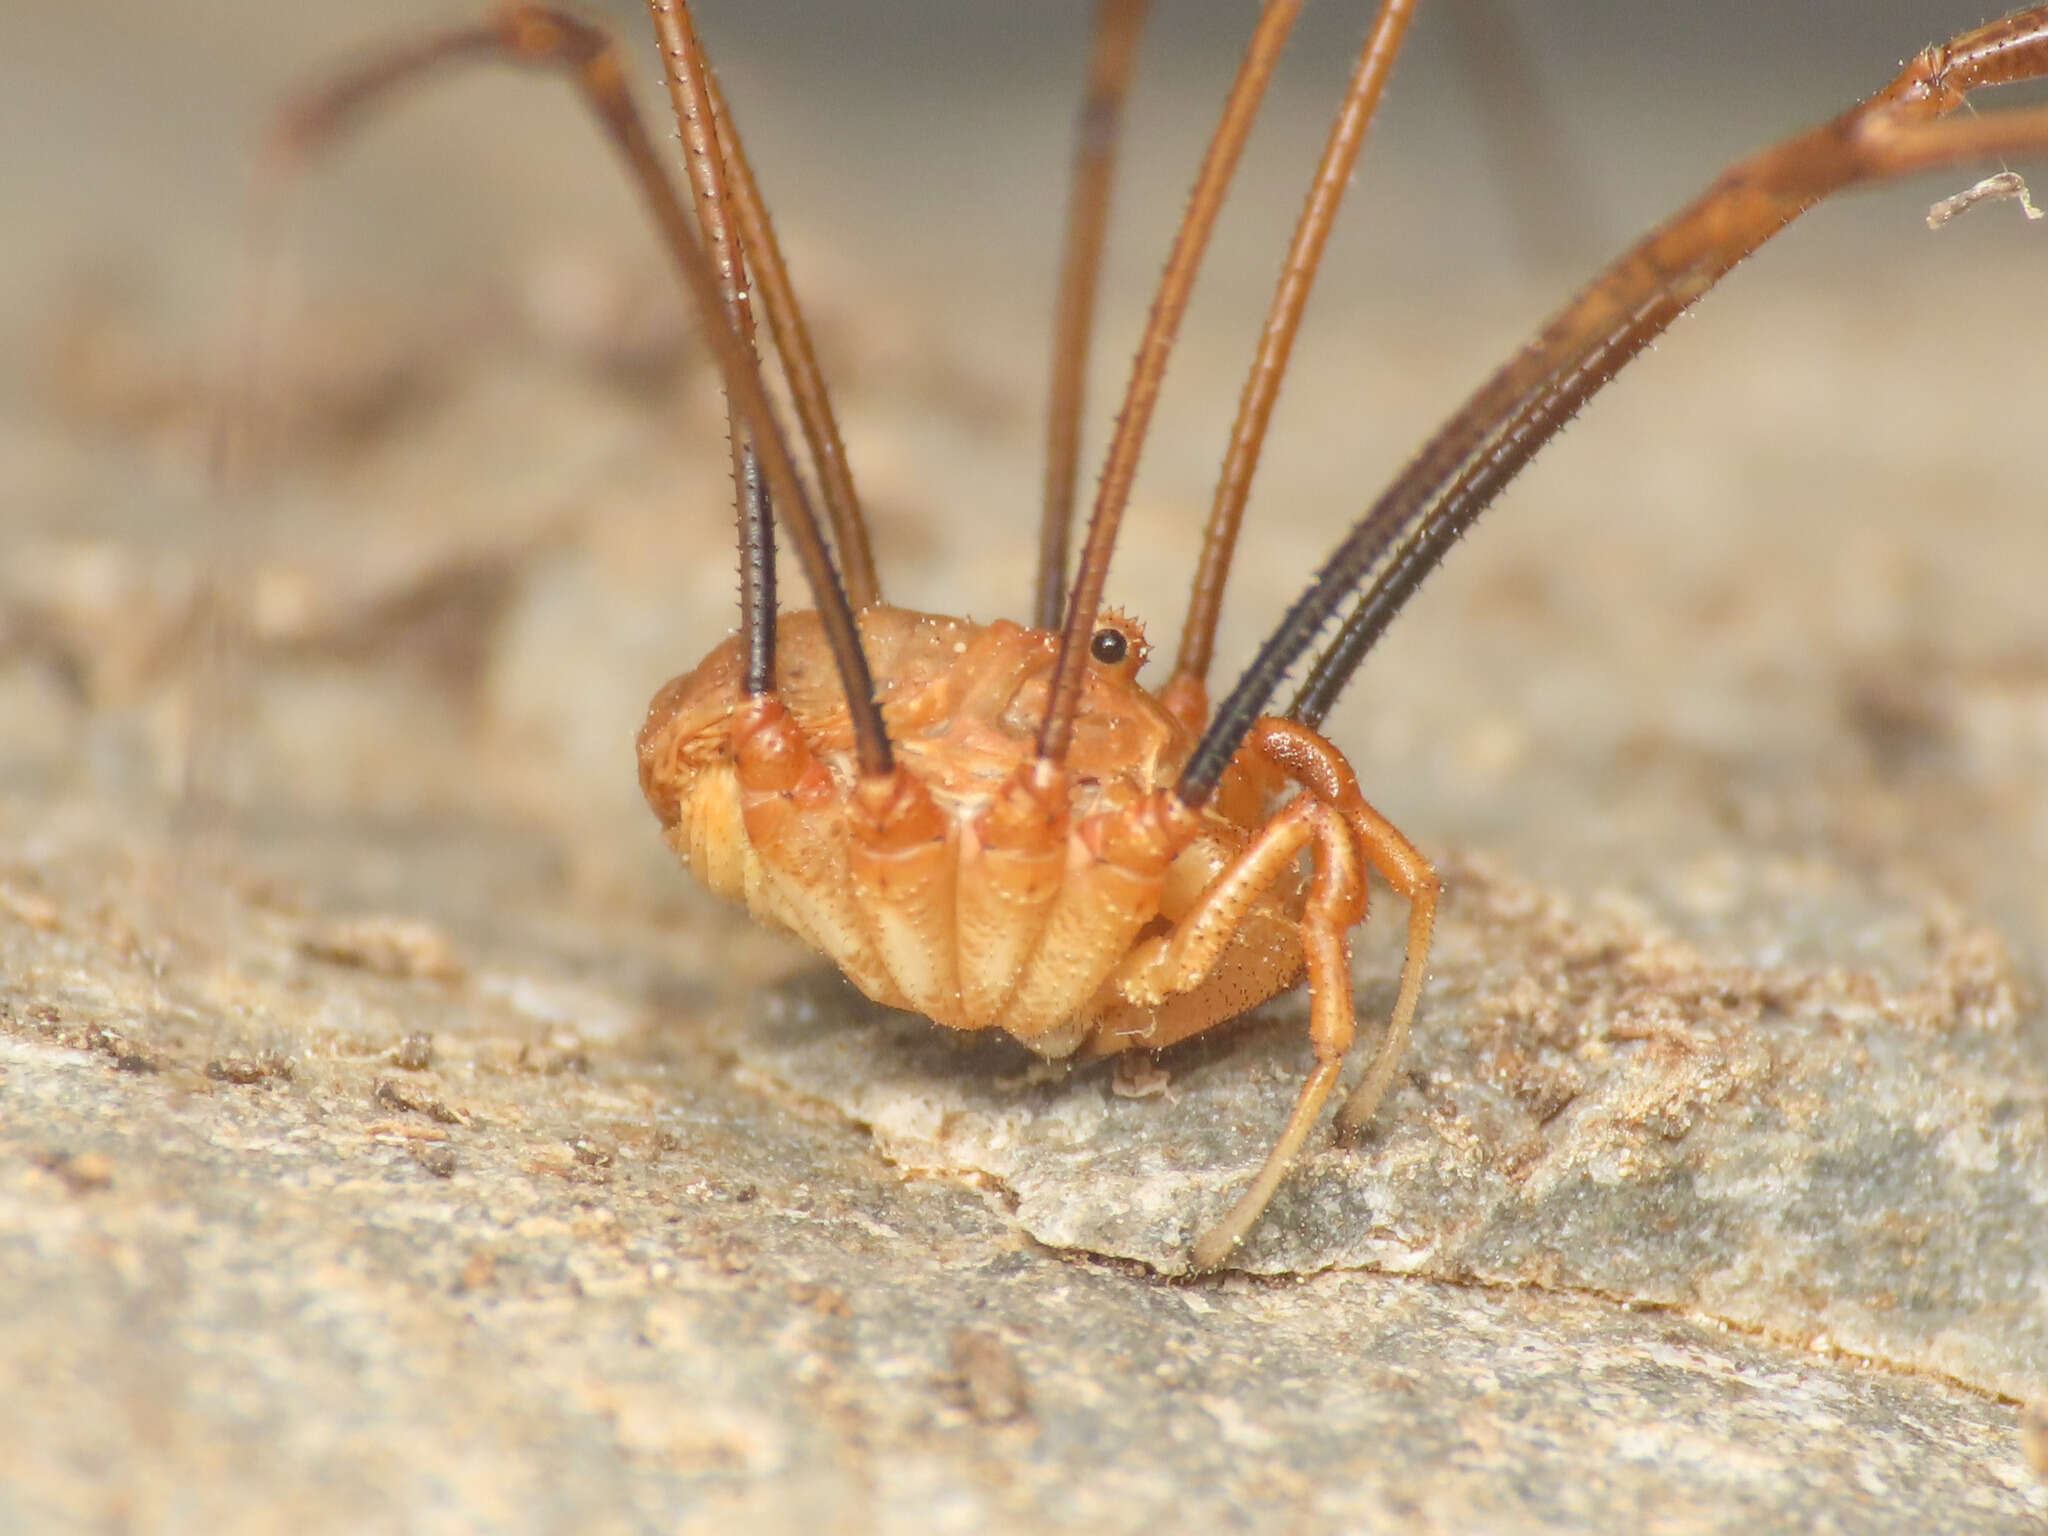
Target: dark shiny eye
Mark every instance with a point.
(1109, 646)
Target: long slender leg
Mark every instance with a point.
(1888, 136)
(549, 38)
(799, 364)
(1186, 691)
(1331, 1014)
(682, 58)
(1117, 24)
(1398, 862)
(1336, 900)
(1473, 457)
(1178, 961)
(1346, 834)
(1120, 468)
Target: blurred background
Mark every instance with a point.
(1779, 592)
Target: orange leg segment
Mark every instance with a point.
(1012, 864)
(795, 823)
(1117, 863)
(1347, 833)
(901, 857)
(1402, 866)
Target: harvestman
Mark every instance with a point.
(996, 825)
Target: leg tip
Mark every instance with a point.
(1213, 1249)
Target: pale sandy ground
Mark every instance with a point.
(1713, 1195)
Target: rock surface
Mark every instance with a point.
(1593, 1105)
(409, 1148)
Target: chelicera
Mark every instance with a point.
(997, 825)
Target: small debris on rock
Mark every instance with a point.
(127, 1056)
(37, 912)
(405, 1130)
(437, 1157)
(826, 1300)
(986, 1377)
(479, 1271)
(388, 946)
(83, 1173)
(562, 1051)
(1139, 1076)
(393, 1094)
(415, 1053)
(245, 1070)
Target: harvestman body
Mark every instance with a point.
(997, 825)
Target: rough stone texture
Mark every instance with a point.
(410, 1148)
(375, 1248)
(1593, 1106)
